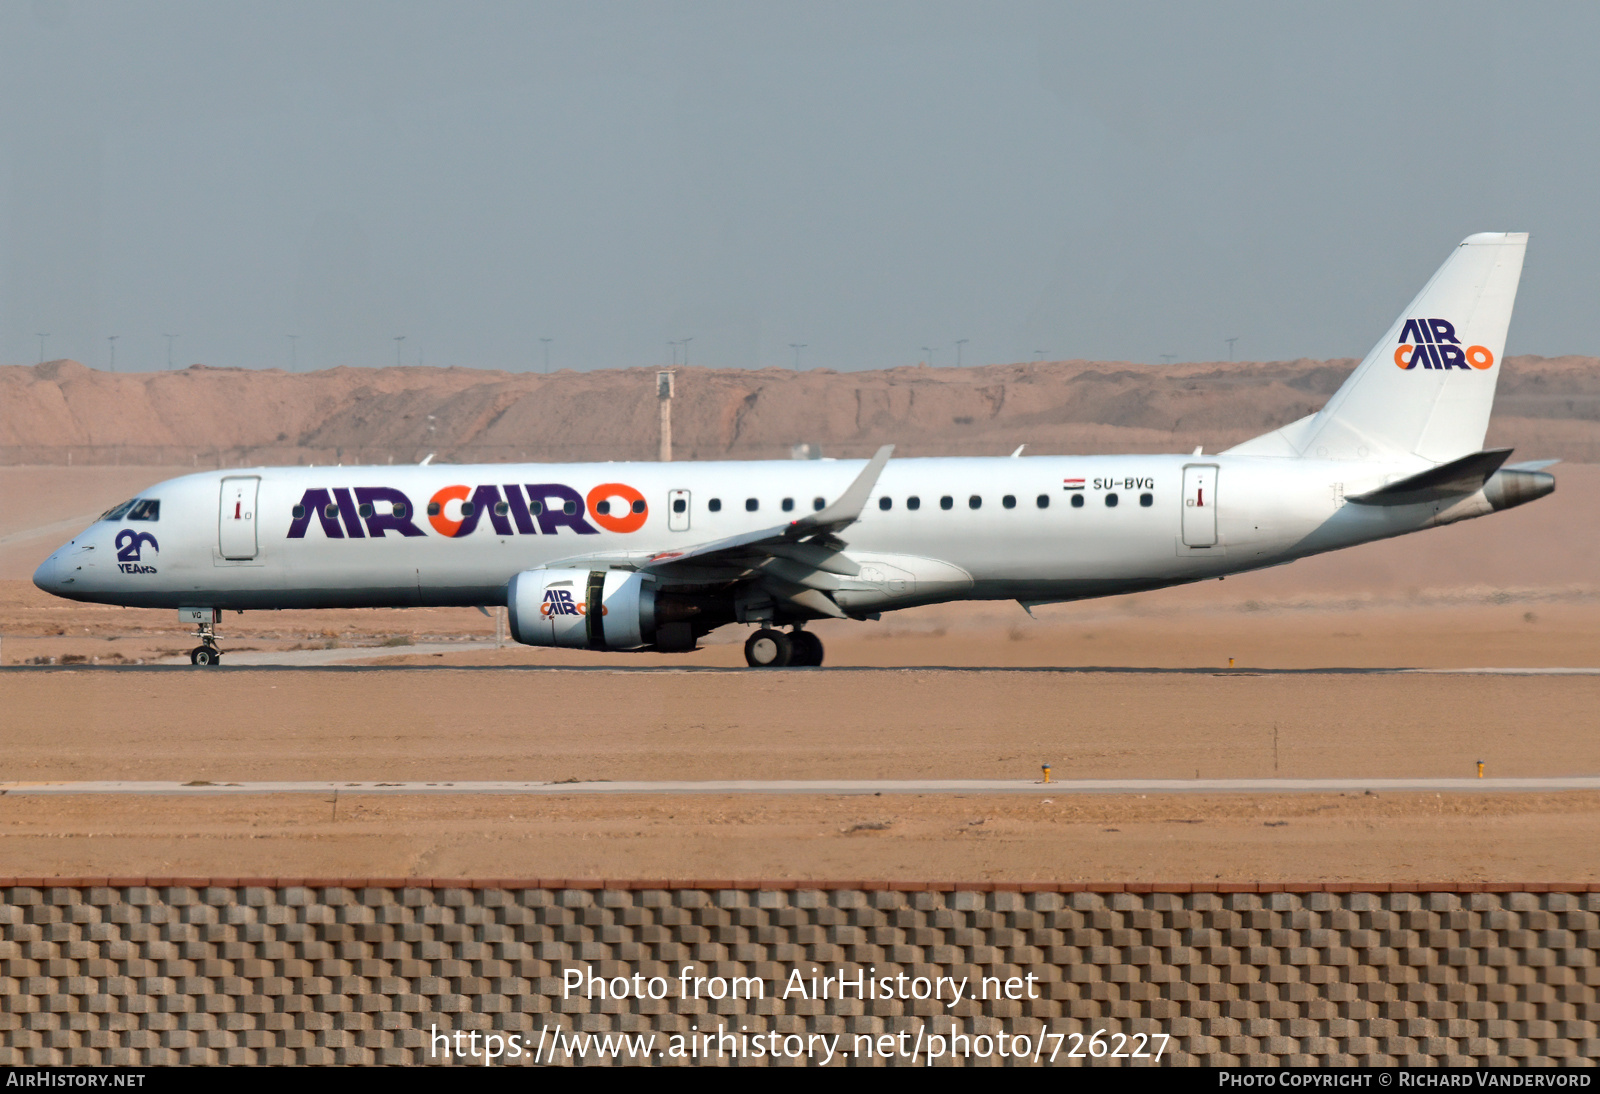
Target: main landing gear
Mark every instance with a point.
(770, 649)
(206, 653)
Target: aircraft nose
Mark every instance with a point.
(45, 576)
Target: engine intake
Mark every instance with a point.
(582, 609)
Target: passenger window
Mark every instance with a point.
(603, 507)
(818, 504)
(1009, 501)
(434, 508)
(1147, 500)
(715, 505)
(118, 513)
(1111, 501)
(467, 509)
(299, 512)
(399, 509)
(638, 506)
(751, 505)
(947, 502)
(788, 505)
(975, 502)
(534, 507)
(679, 505)
(365, 509)
(1077, 501)
(1044, 501)
(145, 509)
(568, 508)
(501, 509)
(913, 502)
(885, 504)
(330, 511)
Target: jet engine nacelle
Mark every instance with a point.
(583, 609)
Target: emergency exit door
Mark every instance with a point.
(1200, 505)
(236, 523)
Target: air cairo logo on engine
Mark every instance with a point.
(1432, 343)
(560, 602)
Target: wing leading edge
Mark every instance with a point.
(799, 562)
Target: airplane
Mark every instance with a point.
(655, 556)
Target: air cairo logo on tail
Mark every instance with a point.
(1432, 343)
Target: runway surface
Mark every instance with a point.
(835, 786)
(314, 658)
(349, 659)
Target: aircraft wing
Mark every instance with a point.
(799, 562)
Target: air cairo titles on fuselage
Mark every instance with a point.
(510, 509)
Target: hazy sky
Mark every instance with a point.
(1113, 181)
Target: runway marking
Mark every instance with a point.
(1548, 784)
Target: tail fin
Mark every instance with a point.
(1427, 388)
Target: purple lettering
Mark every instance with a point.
(566, 512)
(347, 510)
(379, 523)
(519, 509)
(483, 502)
(315, 503)
(1443, 331)
(1412, 332)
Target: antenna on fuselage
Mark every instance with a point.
(1018, 452)
(426, 460)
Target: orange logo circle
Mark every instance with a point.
(631, 521)
(1479, 357)
(441, 523)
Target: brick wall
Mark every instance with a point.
(267, 971)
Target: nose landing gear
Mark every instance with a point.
(770, 649)
(206, 653)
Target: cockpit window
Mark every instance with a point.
(118, 513)
(145, 509)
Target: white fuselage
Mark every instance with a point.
(263, 538)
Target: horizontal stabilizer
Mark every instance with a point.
(1463, 476)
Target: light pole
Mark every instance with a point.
(929, 351)
(294, 352)
(170, 339)
(685, 344)
(112, 338)
(664, 398)
(42, 337)
(1230, 342)
(959, 343)
(797, 347)
(1038, 355)
(546, 342)
(397, 340)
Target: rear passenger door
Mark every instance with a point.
(1200, 505)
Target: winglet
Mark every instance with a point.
(847, 509)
